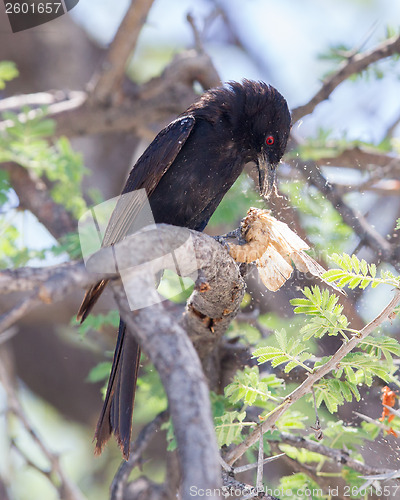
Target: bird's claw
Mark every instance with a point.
(222, 241)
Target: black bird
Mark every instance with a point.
(186, 171)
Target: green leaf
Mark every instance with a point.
(171, 440)
(356, 273)
(326, 313)
(247, 386)
(229, 427)
(354, 282)
(70, 244)
(363, 266)
(291, 420)
(356, 264)
(13, 253)
(8, 71)
(301, 455)
(299, 482)
(289, 351)
(334, 275)
(97, 321)
(338, 435)
(347, 262)
(378, 346)
(334, 392)
(25, 141)
(5, 186)
(100, 372)
(368, 365)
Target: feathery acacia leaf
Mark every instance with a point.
(229, 427)
(249, 387)
(357, 273)
(289, 351)
(326, 313)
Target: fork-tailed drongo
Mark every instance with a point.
(186, 171)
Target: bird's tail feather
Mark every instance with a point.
(90, 299)
(116, 415)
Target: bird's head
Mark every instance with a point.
(263, 123)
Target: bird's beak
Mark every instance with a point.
(266, 175)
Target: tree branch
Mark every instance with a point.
(49, 285)
(385, 250)
(354, 64)
(120, 480)
(158, 332)
(340, 457)
(314, 377)
(34, 196)
(66, 489)
(178, 365)
(165, 342)
(106, 84)
(361, 158)
(154, 102)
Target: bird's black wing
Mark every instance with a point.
(146, 174)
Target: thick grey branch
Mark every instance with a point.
(48, 285)
(178, 365)
(165, 341)
(161, 337)
(26, 279)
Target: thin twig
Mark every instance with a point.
(247, 467)
(260, 463)
(154, 102)
(196, 33)
(67, 490)
(340, 457)
(381, 426)
(120, 480)
(391, 129)
(317, 427)
(353, 218)
(8, 334)
(19, 311)
(392, 410)
(233, 486)
(48, 286)
(355, 64)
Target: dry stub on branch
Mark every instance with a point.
(274, 248)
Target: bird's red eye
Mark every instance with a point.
(269, 140)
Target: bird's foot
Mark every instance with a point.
(222, 239)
